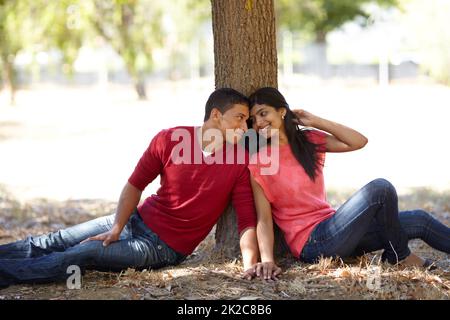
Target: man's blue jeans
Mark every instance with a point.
(370, 221)
(46, 258)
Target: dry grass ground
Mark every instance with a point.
(206, 276)
(82, 143)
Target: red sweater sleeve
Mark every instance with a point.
(242, 198)
(151, 163)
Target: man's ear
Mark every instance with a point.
(215, 114)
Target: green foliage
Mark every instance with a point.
(184, 21)
(319, 17)
(14, 23)
(36, 25)
(63, 25)
(16, 34)
(132, 28)
(189, 15)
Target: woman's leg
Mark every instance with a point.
(417, 224)
(375, 206)
(35, 246)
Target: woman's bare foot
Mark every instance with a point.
(415, 261)
(412, 261)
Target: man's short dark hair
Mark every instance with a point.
(224, 99)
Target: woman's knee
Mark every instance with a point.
(382, 186)
(381, 183)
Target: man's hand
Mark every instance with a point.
(107, 237)
(267, 270)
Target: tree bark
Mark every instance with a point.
(139, 86)
(320, 52)
(138, 80)
(245, 52)
(9, 78)
(245, 58)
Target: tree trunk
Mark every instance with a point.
(245, 57)
(9, 78)
(139, 86)
(320, 54)
(138, 83)
(245, 52)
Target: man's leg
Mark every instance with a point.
(139, 248)
(90, 255)
(36, 246)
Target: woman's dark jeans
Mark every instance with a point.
(46, 258)
(370, 221)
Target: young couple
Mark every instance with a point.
(169, 225)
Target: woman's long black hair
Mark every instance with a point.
(304, 150)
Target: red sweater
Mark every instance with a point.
(192, 196)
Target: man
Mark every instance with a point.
(196, 186)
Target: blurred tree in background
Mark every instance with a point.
(183, 24)
(423, 19)
(133, 29)
(315, 19)
(320, 17)
(34, 26)
(15, 17)
(175, 36)
(62, 26)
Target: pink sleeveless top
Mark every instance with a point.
(298, 204)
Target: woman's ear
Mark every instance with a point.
(282, 112)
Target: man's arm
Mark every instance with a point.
(250, 253)
(148, 168)
(128, 201)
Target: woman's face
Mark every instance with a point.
(267, 120)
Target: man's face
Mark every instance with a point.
(233, 123)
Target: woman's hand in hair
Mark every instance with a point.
(304, 118)
(340, 138)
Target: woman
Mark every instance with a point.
(295, 196)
